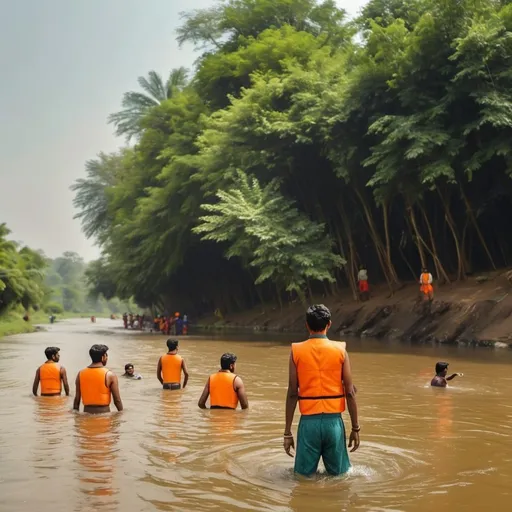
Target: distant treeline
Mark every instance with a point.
(31, 281)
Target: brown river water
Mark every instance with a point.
(421, 448)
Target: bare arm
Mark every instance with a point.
(451, 377)
(159, 371)
(204, 395)
(78, 395)
(64, 378)
(35, 386)
(292, 395)
(350, 396)
(185, 372)
(240, 391)
(114, 388)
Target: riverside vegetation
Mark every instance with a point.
(32, 284)
(303, 144)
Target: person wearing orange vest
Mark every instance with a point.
(320, 379)
(426, 285)
(170, 366)
(96, 385)
(224, 388)
(51, 375)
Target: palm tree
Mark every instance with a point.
(136, 104)
(91, 192)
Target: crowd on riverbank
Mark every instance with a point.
(169, 324)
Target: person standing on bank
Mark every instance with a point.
(170, 366)
(97, 385)
(426, 287)
(224, 388)
(320, 379)
(362, 279)
(51, 375)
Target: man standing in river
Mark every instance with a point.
(170, 366)
(224, 387)
(320, 379)
(51, 375)
(97, 385)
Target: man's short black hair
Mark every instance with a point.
(172, 344)
(51, 351)
(127, 366)
(317, 317)
(97, 352)
(441, 367)
(227, 360)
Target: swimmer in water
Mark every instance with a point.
(440, 379)
(320, 380)
(97, 385)
(170, 366)
(51, 375)
(129, 372)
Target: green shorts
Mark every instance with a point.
(321, 435)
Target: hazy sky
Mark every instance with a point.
(65, 66)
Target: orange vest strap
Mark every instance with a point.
(330, 397)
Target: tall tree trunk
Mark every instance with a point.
(278, 297)
(461, 271)
(439, 266)
(469, 211)
(409, 266)
(385, 211)
(419, 240)
(502, 250)
(388, 270)
(308, 287)
(348, 266)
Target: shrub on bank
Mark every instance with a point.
(54, 308)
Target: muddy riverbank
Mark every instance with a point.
(477, 311)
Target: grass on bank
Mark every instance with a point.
(12, 322)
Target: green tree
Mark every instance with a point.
(21, 274)
(136, 104)
(265, 229)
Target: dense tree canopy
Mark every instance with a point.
(30, 280)
(300, 150)
(21, 274)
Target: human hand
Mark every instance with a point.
(289, 445)
(353, 440)
(460, 374)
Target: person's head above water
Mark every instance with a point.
(129, 369)
(228, 361)
(99, 354)
(172, 345)
(52, 353)
(441, 368)
(318, 318)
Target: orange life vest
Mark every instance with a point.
(171, 368)
(425, 277)
(93, 386)
(49, 376)
(319, 363)
(222, 390)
